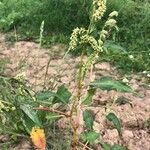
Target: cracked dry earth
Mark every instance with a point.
(27, 58)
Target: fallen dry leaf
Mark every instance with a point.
(38, 138)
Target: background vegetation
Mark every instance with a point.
(61, 16)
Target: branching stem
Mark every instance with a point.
(52, 110)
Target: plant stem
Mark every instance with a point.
(76, 102)
(52, 110)
(80, 79)
(85, 146)
(46, 72)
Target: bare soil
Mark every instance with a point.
(28, 59)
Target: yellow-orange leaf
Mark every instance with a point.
(38, 138)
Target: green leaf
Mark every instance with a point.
(62, 95)
(89, 136)
(118, 147)
(114, 48)
(107, 83)
(114, 119)
(88, 119)
(52, 116)
(28, 110)
(41, 115)
(89, 96)
(106, 146)
(27, 123)
(45, 95)
(122, 100)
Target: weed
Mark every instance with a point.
(79, 111)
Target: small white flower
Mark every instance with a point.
(131, 56)
(148, 75)
(125, 80)
(144, 72)
(13, 108)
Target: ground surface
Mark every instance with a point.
(28, 59)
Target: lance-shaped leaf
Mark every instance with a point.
(88, 119)
(45, 95)
(123, 100)
(89, 136)
(89, 96)
(118, 147)
(28, 110)
(105, 145)
(108, 83)
(114, 119)
(62, 95)
(27, 123)
(53, 116)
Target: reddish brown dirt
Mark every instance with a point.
(28, 59)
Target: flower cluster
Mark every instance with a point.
(103, 35)
(21, 77)
(110, 23)
(91, 40)
(82, 36)
(91, 60)
(74, 37)
(6, 106)
(99, 9)
(113, 14)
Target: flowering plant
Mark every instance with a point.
(79, 114)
